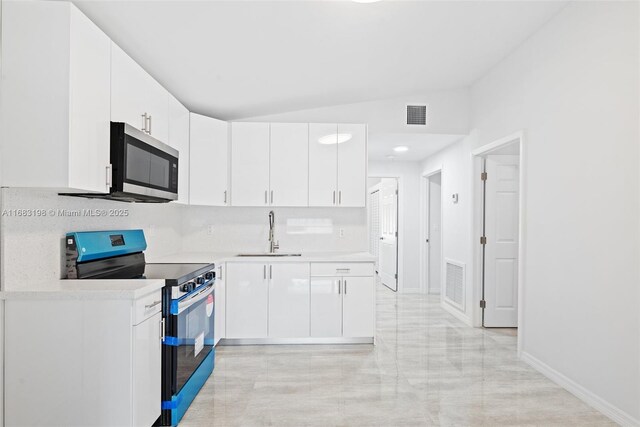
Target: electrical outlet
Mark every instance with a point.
(341, 233)
(210, 230)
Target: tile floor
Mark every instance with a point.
(427, 368)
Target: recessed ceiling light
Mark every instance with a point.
(334, 138)
(401, 149)
(390, 157)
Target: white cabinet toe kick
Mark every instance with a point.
(297, 303)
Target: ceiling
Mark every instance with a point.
(237, 59)
(380, 146)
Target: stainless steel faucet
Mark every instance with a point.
(273, 244)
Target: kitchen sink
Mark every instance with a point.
(266, 254)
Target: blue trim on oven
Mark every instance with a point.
(181, 402)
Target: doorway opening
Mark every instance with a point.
(383, 228)
(497, 233)
(433, 237)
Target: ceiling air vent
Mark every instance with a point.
(417, 115)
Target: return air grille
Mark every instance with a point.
(454, 284)
(417, 115)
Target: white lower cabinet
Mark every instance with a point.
(78, 360)
(147, 364)
(358, 307)
(342, 307)
(220, 306)
(288, 300)
(247, 300)
(326, 307)
(299, 301)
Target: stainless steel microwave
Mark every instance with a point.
(144, 169)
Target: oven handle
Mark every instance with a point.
(197, 297)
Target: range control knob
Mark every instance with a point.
(200, 280)
(188, 287)
(210, 275)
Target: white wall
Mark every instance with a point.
(573, 88)
(455, 163)
(408, 221)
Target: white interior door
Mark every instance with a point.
(374, 223)
(388, 259)
(434, 242)
(501, 249)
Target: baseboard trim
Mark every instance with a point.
(609, 410)
(295, 341)
(456, 313)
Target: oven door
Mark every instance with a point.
(192, 321)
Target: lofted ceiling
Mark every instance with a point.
(237, 59)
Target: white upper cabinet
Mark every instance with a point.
(337, 165)
(55, 98)
(179, 139)
(136, 98)
(250, 164)
(323, 164)
(352, 165)
(209, 161)
(289, 166)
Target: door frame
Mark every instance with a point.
(399, 225)
(476, 226)
(424, 231)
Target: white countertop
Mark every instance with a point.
(220, 257)
(87, 289)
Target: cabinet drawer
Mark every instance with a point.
(147, 306)
(342, 269)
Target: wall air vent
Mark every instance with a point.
(454, 284)
(417, 115)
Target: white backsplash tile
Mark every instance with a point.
(33, 246)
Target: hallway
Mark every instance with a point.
(427, 368)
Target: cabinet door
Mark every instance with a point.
(326, 307)
(289, 300)
(358, 307)
(89, 104)
(352, 166)
(179, 139)
(247, 300)
(127, 93)
(147, 371)
(323, 164)
(135, 93)
(289, 165)
(209, 161)
(250, 164)
(220, 305)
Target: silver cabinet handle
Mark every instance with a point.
(271, 196)
(162, 330)
(265, 197)
(264, 272)
(109, 175)
(220, 275)
(334, 197)
(340, 197)
(339, 285)
(153, 304)
(144, 122)
(345, 286)
(225, 197)
(149, 128)
(343, 270)
(270, 271)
